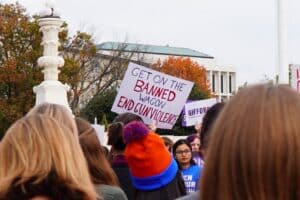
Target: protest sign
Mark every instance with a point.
(195, 110)
(295, 77)
(100, 131)
(183, 121)
(152, 95)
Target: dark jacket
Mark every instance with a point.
(191, 196)
(121, 169)
(173, 190)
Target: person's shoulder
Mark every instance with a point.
(111, 192)
(192, 196)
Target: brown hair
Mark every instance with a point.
(40, 156)
(99, 168)
(168, 142)
(207, 123)
(115, 138)
(254, 152)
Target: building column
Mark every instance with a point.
(211, 80)
(219, 86)
(228, 83)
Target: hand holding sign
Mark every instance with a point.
(198, 126)
(153, 126)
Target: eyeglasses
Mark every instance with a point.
(183, 152)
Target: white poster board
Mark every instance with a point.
(100, 133)
(152, 95)
(295, 77)
(195, 110)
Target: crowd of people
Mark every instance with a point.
(247, 148)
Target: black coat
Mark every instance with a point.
(173, 190)
(123, 174)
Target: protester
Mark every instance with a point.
(41, 159)
(102, 175)
(182, 152)
(207, 123)
(194, 142)
(154, 172)
(198, 126)
(59, 112)
(254, 151)
(168, 143)
(118, 160)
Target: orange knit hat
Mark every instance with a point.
(151, 164)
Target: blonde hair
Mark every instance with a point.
(36, 148)
(59, 112)
(99, 167)
(254, 151)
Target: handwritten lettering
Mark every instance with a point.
(160, 79)
(125, 103)
(146, 111)
(152, 101)
(142, 74)
(153, 90)
(177, 85)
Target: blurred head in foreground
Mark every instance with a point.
(41, 157)
(254, 150)
(58, 112)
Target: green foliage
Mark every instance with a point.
(100, 107)
(4, 124)
(104, 121)
(85, 71)
(197, 94)
(19, 50)
(79, 53)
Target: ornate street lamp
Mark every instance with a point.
(51, 90)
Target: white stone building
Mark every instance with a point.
(222, 80)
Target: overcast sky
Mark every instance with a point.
(239, 33)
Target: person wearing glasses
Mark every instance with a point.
(190, 171)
